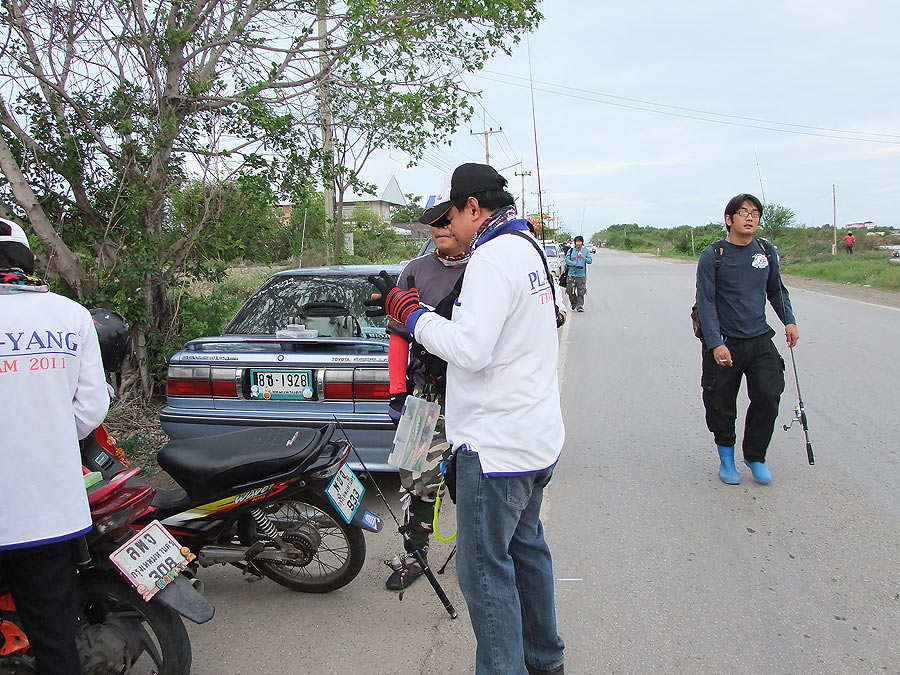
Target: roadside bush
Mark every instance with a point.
(203, 311)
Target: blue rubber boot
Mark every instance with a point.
(760, 471)
(727, 472)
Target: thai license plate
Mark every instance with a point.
(151, 559)
(345, 492)
(292, 385)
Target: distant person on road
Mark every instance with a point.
(435, 276)
(849, 240)
(577, 260)
(503, 418)
(54, 394)
(731, 300)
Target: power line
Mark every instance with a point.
(510, 158)
(701, 119)
(697, 110)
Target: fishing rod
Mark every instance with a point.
(537, 159)
(395, 563)
(800, 415)
(800, 410)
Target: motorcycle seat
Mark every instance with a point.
(207, 465)
(171, 500)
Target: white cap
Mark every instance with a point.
(17, 234)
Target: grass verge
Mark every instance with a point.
(874, 273)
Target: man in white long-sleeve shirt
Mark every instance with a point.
(503, 418)
(54, 393)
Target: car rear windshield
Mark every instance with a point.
(551, 250)
(285, 300)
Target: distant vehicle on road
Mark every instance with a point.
(264, 370)
(592, 248)
(555, 258)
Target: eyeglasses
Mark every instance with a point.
(744, 213)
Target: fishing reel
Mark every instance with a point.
(799, 416)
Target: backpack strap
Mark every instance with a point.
(537, 247)
(766, 247)
(719, 250)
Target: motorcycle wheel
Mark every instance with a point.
(336, 560)
(158, 641)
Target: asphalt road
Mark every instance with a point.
(660, 567)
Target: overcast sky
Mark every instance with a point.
(817, 69)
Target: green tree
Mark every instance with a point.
(775, 220)
(241, 215)
(109, 108)
(409, 213)
(376, 241)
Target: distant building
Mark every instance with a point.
(390, 198)
(868, 225)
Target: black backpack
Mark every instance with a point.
(719, 250)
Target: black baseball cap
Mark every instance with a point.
(467, 180)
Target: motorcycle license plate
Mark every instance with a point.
(283, 385)
(151, 559)
(345, 492)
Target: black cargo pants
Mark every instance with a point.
(758, 359)
(43, 584)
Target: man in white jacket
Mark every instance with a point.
(503, 418)
(55, 393)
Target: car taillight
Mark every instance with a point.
(224, 389)
(201, 381)
(224, 382)
(188, 387)
(368, 384)
(371, 384)
(339, 385)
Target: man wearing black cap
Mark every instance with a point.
(54, 393)
(503, 418)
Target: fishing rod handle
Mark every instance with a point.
(435, 584)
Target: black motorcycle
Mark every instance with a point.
(278, 502)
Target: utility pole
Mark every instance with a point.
(834, 219)
(486, 134)
(549, 208)
(325, 122)
(522, 175)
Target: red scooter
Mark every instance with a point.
(123, 626)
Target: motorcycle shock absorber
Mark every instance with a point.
(266, 527)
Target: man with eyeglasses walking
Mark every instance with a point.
(734, 277)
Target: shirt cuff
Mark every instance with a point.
(413, 318)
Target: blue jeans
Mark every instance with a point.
(505, 570)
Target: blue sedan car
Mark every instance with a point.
(299, 352)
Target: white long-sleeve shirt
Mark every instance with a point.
(54, 393)
(501, 348)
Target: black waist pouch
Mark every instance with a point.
(448, 469)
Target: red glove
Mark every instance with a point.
(390, 299)
(400, 304)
